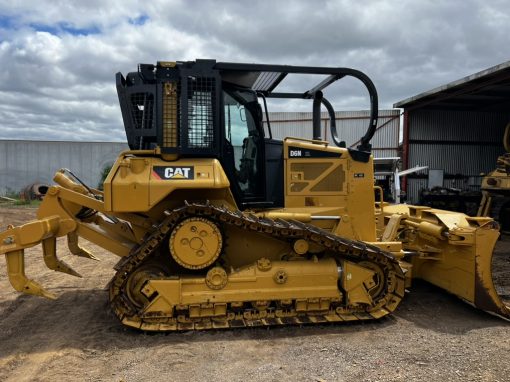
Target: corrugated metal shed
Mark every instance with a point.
(351, 126)
(457, 127)
(23, 163)
(486, 90)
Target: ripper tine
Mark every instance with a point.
(76, 249)
(51, 260)
(16, 272)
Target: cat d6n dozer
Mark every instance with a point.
(219, 225)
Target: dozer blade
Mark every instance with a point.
(463, 265)
(451, 250)
(18, 279)
(486, 296)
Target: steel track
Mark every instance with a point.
(337, 247)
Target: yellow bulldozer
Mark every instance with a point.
(218, 225)
(496, 185)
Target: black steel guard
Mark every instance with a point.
(316, 92)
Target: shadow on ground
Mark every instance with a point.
(81, 319)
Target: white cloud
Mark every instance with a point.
(59, 58)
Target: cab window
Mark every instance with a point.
(242, 134)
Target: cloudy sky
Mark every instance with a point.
(58, 58)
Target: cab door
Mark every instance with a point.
(243, 149)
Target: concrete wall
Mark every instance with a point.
(26, 162)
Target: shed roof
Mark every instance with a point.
(487, 90)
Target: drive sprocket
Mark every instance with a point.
(195, 243)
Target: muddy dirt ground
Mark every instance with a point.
(432, 337)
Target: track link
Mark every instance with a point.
(341, 248)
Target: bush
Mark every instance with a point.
(104, 173)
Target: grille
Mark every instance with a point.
(201, 91)
(171, 93)
(307, 173)
(332, 183)
(311, 171)
(142, 110)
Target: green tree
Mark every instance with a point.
(104, 173)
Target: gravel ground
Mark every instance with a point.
(432, 336)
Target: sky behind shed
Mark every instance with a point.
(59, 58)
